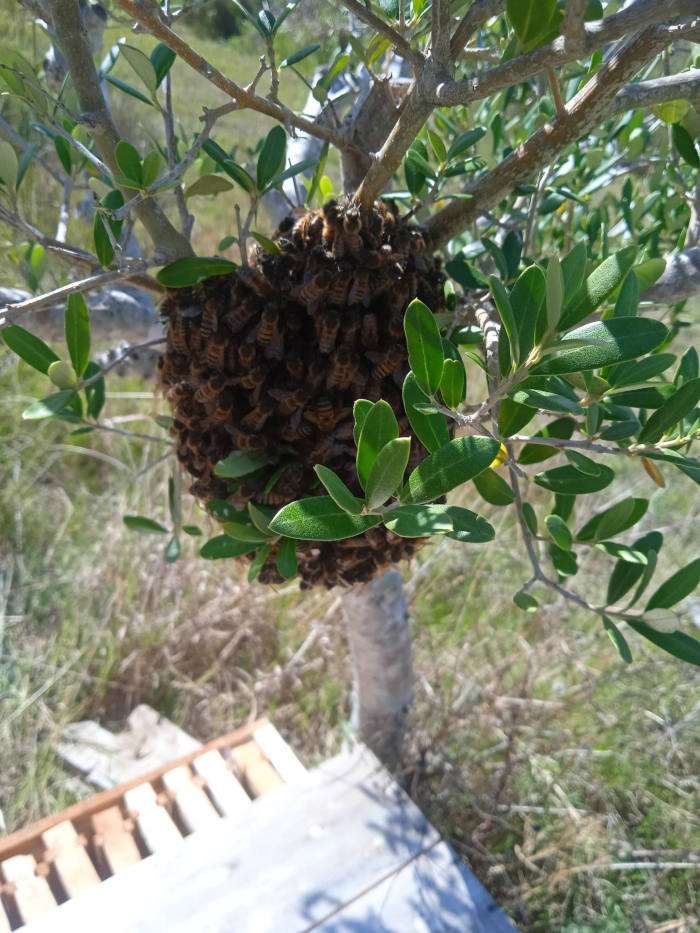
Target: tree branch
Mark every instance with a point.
(71, 38)
(680, 280)
(402, 46)
(580, 114)
(440, 33)
(574, 26)
(151, 19)
(476, 16)
(647, 93)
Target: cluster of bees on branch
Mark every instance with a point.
(271, 358)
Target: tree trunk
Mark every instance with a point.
(379, 635)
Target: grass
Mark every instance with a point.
(533, 748)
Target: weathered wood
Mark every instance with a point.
(155, 824)
(71, 862)
(257, 771)
(23, 838)
(31, 891)
(279, 754)
(226, 792)
(114, 845)
(194, 807)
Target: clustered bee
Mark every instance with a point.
(271, 358)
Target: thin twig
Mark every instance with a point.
(402, 45)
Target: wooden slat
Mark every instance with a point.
(31, 891)
(279, 754)
(259, 774)
(113, 841)
(226, 792)
(193, 805)
(70, 860)
(23, 838)
(155, 824)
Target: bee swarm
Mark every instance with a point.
(271, 358)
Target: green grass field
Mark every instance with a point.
(553, 767)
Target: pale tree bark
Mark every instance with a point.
(379, 636)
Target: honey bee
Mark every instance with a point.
(209, 320)
(216, 352)
(255, 281)
(322, 414)
(208, 390)
(386, 363)
(255, 419)
(254, 378)
(240, 316)
(295, 430)
(338, 291)
(306, 229)
(352, 224)
(267, 328)
(225, 404)
(246, 353)
(370, 331)
(289, 399)
(295, 367)
(286, 225)
(327, 325)
(396, 325)
(330, 214)
(274, 498)
(244, 441)
(177, 332)
(312, 291)
(342, 370)
(359, 290)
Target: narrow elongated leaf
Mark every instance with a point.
(628, 299)
(299, 55)
(465, 141)
(505, 312)
(103, 244)
(458, 461)
(573, 270)
(424, 343)
(128, 89)
(678, 644)
(554, 293)
(599, 285)
(240, 463)
(223, 546)
(241, 531)
(677, 587)
(193, 269)
(570, 481)
(387, 471)
(634, 373)
(208, 185)
(286, 561)
(685, 145)
(417, 521)
(129, 161)
(338, 491)
(614, 520)
(559, 531)
(493, 488)
(77, 327)
(430, 429)
(225, 162)
(607, 342)
(271, 158)
(49, 406)
(319, 518)
(95, 393)
(546, 401)
(144, 525)
(162, 59)
(527, 298)
(142, 65)
(379, 427)
(625, 574)
(453, 386)
(681, 403)
(150, 168)
(9, 165)
(618, 639)
(360, 410)
(561, 429)
(28, 347)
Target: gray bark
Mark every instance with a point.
(379, 636)
(680, 280)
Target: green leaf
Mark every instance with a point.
(77, 326)
(172, 550)
(458, 461)
(232, 169)
(634, 373)
(144, 525)
(526, 299)
(379, 427)
(129, 161)
(240, 463)
(193, 530)
(62, 375)
(554, 293)
(685, 145)
(49, 406)
(128, 89)
(559, 532)
(570, 481)
(530, 518)
(338, 491)
(113, 200)
(222, 546)
(512, 417)
(625, 575)
(628, 299)
(193, 269)
(565, 562)
(599, 285)
(63, 151)
(150, 168)
(681, 403)
(360, 410)
(465, 141)
(142, 65)
(438, 146)
(607, 342)
(678, 644)
(299, 56)
(546, 401)
(240, 531)
(530, 18)
(386, 474)
(676, 588)
(29, 348)
(286, 560)
(561, 428)
(320, 519)
(430, 429)
(424, 343)
(9, 165)
(493, 488)
(96, 392)
(260, 517)
(207, 185)
(417, 521)
(453, 386)
(573, 270)
(271, 158)
(648, 272)
(505, 311)
(618, 639)
(614, 520)
(162, 59)
(525, 601)
(268, 245)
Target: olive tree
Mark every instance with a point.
(503, 280)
